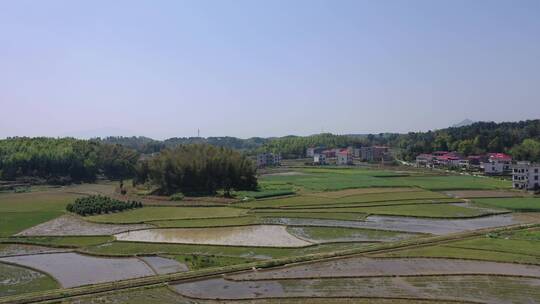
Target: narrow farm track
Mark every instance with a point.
(158, 280)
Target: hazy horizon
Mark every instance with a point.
(165, 69)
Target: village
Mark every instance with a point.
(524, 174)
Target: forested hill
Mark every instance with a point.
(521, 139)
(147, 145)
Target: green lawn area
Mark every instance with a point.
(525, 204)
(62, 241)
(441, 251)
(500, 245)
(132, 248)
(328, 179)
(436, 210)
(19, 211)
(16, 280)
(211, 222)
(372, 204)
(312, 200)
(146, 214)
(314, 215)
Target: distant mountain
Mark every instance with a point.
(464, 123)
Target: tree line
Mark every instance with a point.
(198, 169)
(64, 160)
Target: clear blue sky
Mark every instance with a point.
(264, 68)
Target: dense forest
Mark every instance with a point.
(520, 139)
(198, 169)
(65, 160)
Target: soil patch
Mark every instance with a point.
(66, 225)
(255, 235)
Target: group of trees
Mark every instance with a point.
(97, 204)
(64, 160)
(197, 169)
(521, 139)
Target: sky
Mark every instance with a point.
(264, 68)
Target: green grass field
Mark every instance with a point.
(19, 211)
(342, 216)
(525, 204)
(16, 280)
(147, 214)
(133, 248)
(327, 179)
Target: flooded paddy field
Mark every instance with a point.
(340, 234)
(498, 290)
(73, 269)
(255, 235)
(367, 267)
(14, 280)
(407, 224)
(67, 225)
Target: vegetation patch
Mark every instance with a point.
(523, 204)
(16, 280)
(61, 241)
(98, 204)
(207, 222)
(307, 214)
(196, 262)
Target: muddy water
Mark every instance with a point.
(480, 289)
(407, 224)
(256, 235)
(72, 225)
(365, 267)
(163, 265)
(20, 249)
(73, 269)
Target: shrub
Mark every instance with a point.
(97, 204)
(176, 197)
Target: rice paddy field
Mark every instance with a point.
(323, 235)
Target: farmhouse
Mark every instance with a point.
(268, 160)
(425, 160)
(319, 159)
(344, 157)
(311, 151)
(525, 176)
(497, 164)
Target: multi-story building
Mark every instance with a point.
(344, 157)
(311, 151)
(526, 176)
(374, 153)
(268, 160)
(425, 160)
(497, 164)
(319, 159)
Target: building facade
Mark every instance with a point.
(526, 176)
(374, 153)
(344, 158)
(268, 160)
(497, 164)
(319, 159)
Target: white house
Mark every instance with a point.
(497, 163)
(268, 159)
(319, 159)
(526, 176)
(344, 157)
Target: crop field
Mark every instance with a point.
(296, 215)
(146, 214)
(523, 204)
(15, 280)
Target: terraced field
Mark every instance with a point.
(411, 236)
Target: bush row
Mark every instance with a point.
(97, 204)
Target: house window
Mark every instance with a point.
(536, 170)
(536, 177)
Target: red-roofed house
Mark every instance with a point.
(344, 157)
